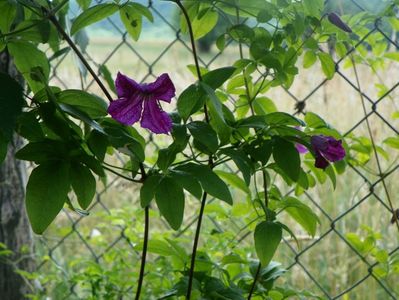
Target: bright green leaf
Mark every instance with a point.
(267, 238)
(92, 15)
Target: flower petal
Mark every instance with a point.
(126, 110)
(335, 151)
(301, 148)
(320, 162)
(161, 89)
(125, 86)
(155, 119)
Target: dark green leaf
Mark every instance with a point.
(165, 158)
(210, 182)
(98, 144)
(46, 193)
(83, 183)
(287, 158)
(233, 180)
(43, 151)
(267, 238)
(147, 191)
(204, 134)
(92, 105)
(92, 15)
(169, 197)
(8, 12)
(242, 161)
(216, 78)
(188, 182)
(190, 101)
(218, 121)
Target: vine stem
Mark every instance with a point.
(210, 161)
(144, 253)
(252, 290)
(54, 20)
(381, 175)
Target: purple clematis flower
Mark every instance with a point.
(327, 149)
(132, 96)
(301, 148)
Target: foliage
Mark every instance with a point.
(222, 121)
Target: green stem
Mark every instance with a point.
(144, 253)
(210, 160)
(252, 290)
(54, 20)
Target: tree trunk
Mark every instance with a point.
(15, 231)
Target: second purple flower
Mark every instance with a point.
(132, 96)
(327, 149)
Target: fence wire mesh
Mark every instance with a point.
(329, 264)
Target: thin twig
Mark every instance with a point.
(144, 253)
(252, 290)
(54, 20)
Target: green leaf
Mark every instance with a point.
(309, 59)
(83, 183)
(216, 78)
(98, 143)
(188, 182)
(314, 121)
(267, 238)
(132, 20)
(210, 182)
(218, 121)
(287, 158)
(327, 64)
(92, 15)
(147, 191)
(8, 12)
(302, 214)
(392, 142)
(242, 162)
(263, 106)
(84, 4)
(11, 102)
(36, 60)
(234, 180)
(241, 33)
(190, 101)
(108, 77)
(204, 22)
(282, 118)
(204, 134)
(169, 197)
(93, 106)
(46, 193)
(313, 8)
(43, 151)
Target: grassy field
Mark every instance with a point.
(330, 261)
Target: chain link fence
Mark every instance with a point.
(330, 264)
